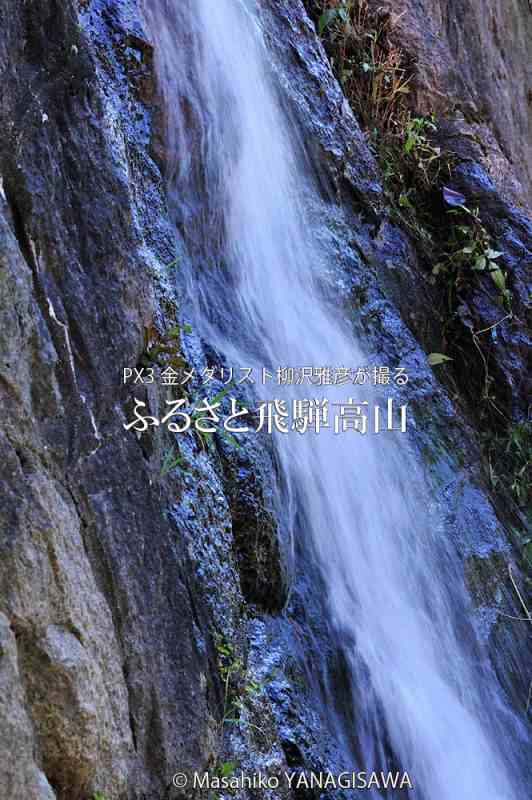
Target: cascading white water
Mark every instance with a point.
(238, 179)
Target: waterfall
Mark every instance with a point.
(239, 183)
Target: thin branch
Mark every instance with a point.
(527, 612)
(485, 330)
(509, 616)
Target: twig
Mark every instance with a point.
(509, 616)
(485, 330)
(527, 612)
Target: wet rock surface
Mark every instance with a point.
(124, 584)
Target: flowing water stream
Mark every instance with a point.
(237, 180)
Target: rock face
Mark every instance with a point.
(472, 58)
(128, 587)
(90, 611)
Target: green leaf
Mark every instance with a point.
(229, 438)
(409, 144)
(480, 263)
(170, 462)
(187, 328)
(228, 767)
(498, 279)
(437, 358)
(326, 18)
(222, 393)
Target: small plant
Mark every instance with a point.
(376, 75)
(330, 15)
(468, 250)
(510, 457)
(415, 132)
(231, 669)
(518, 460)
(370, 68)
(170, 462)
(519, 449)
(98, 796)
(226, 769)
(205, 437)
(163, 349)
(237, 686)
(424, 158)
(524, 547)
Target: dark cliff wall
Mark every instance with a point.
(472, 59)
(123, 585)
(101, 644)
